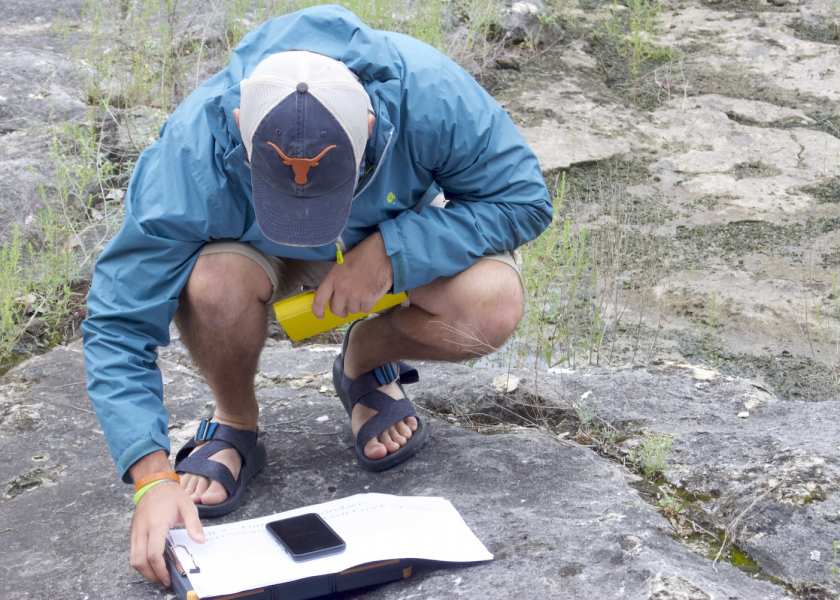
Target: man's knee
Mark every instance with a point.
(503, 307)
(486, 303)
(222, 286)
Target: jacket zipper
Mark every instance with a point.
(378, 167)
(340, 247)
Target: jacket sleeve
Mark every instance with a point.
(170, 207)
(498, 200)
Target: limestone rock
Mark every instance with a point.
(561, 520)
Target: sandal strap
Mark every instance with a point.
(216, 471)
(390, 413)
(377, 377)
(212, 438)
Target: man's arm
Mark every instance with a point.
(170, 214)
(497, 196)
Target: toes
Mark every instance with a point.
(185, 482)
(404, 430)
(387, 440)
(201, 486)
(411, 422)
(188, 482)
(396, 436)
(215, 494)
(375, 450)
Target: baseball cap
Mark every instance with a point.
(303, 119)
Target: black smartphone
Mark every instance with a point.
(306, 536)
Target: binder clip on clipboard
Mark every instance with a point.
(299, 322)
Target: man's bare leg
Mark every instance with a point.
(450, 319)
(223, 323)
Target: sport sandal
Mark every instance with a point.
(390, 411)
(213, 437)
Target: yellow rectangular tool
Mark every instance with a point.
(295, 315)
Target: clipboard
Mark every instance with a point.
(302, 589)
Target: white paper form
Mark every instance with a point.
(376, 527)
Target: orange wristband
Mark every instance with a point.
(155, 477)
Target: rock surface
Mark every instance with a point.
(717, 176)
(561, 520)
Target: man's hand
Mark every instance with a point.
(358, 284)
(164, 506)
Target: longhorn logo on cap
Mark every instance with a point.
(301, 166)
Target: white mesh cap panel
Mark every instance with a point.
(329, 80)
(350, 108)
(258, 97)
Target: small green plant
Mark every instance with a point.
(585, 413)
(834, 570)
(833, 21)
(553, 267)
(36, 286)
(636, 35)
(824, 335)
(651, 457)
(708, 327)
(670, 504)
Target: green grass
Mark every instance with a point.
(651, 457)
(552, 269)
(36, 288)
(708, 333)
(633, 34)
(44, 265)
(823, 330)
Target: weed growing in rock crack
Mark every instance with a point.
(834, 569)
(709, 341)
(585, 413)
(552, 269)
(592, 429)
(672, 505)
(42, 267)
(582, 283)
(651, 457)
(36, 287)
(636, 36)
(824, 336)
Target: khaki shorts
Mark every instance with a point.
(288, 274)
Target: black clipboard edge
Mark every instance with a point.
(303, 589)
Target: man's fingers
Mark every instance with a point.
(322, 296)
(189, 514)
(154, 552)
(338, 304)
(354, 307)
(138, 557)
(367, 306)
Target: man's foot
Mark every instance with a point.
(393, 438)
(200, 485)
(203, 490)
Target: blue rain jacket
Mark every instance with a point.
(435, 126)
